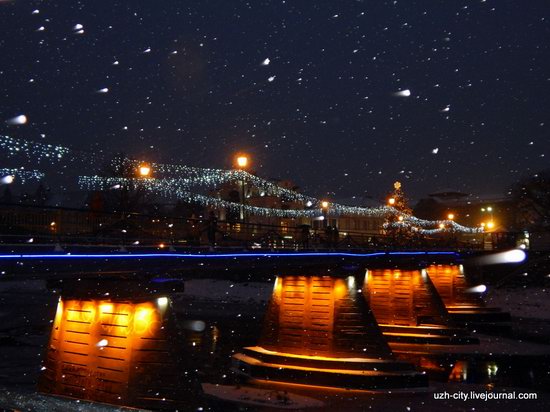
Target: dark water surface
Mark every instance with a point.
(194, 344)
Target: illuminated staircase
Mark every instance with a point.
(319, 332)
(464, 305)
(409, 310)
(349, 373)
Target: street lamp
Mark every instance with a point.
(450, 216)
(144, 170)
(391, 201)
(324, 208)
(488, 209)
(241, 161)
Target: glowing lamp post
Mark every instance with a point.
(241, 162)
(144, 170)
(451, 216)
(324, 209)
(489, 210)
(391, 201)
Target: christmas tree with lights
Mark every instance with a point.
(398, 201)
(397, 231)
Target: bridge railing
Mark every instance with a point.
(21, 224)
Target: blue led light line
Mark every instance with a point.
(215, 256)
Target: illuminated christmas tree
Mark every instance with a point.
(398, 201)
(398, 232)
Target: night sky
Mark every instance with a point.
(307, 87)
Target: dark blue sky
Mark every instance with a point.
(329, 119)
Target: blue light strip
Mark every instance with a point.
(217, 256)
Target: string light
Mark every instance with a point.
(22, 174)
(184, 183)
(33, 150)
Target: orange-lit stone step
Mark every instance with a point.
(463, 303)
(328, 376)
(356, 363)
(319, 331)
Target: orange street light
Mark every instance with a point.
(450, 216)
(400, 218)
(490, 225)
(144, 170)
(442, 226)
(324, 209)
(242, 161)
(391, 201)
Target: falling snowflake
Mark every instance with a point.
(78, 26)
(266, 62)
(271, 78)
(17, 120)
(434, 151)
(104, 90)
(7, 180)
(403, 93)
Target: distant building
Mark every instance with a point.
(494, 212)
(346, 224)
(350, 224)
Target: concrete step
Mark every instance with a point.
(336, 378)
(436, 330)
(479, 315)
(355, 363)
(434, 335)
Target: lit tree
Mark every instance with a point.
(398, 200)
(399, 233)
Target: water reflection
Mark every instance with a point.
(117, 351)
